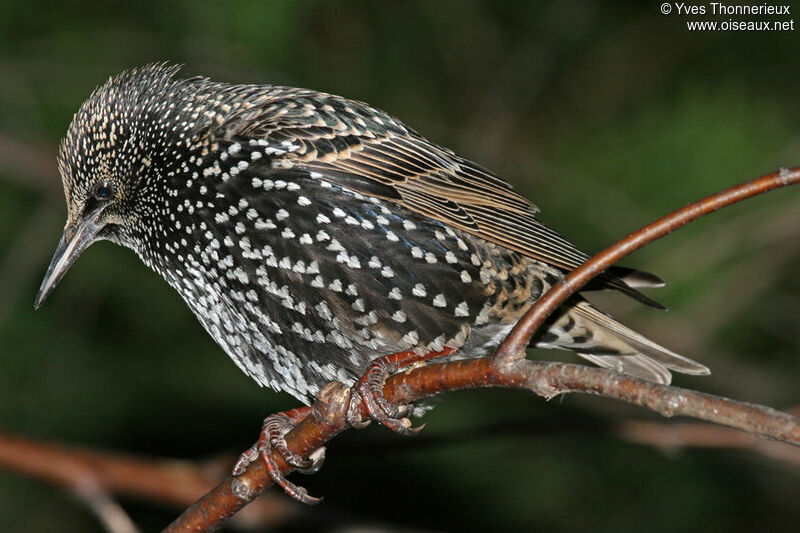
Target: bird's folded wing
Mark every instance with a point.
(365, 150)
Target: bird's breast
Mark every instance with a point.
(302, 281)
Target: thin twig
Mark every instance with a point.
(673, 437)
(513, 347)
(110, 513)
(167, 481)
(508, 368)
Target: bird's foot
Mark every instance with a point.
(272, 439)
(368, 391)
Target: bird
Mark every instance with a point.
(313, 234)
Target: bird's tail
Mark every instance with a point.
(597, 337)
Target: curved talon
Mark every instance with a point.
(275, 428)
(368, 391)
(247, 457)
(295, 491)
(316, 460)
(272, 439)
(354, 411)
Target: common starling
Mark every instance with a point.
(311, 234)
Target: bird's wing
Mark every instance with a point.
(361, 148)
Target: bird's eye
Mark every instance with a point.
(103, 191)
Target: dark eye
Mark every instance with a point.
(103, 191)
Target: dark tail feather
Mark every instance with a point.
(636, 279)
(621, 286)
(627, 280)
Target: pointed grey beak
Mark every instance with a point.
(74, 241)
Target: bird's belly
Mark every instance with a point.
(310, 283)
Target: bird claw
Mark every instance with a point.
(273, 432)
(272, 438)
(368, 391)
(316, 460)
(245, 459)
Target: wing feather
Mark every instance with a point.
(366, 150)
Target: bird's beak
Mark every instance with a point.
(76, 238)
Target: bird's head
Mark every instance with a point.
(111, 157)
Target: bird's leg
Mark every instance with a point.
(368, 391)
(272, 438)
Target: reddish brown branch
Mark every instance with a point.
(509, 369)
(548, 379)
(513, 347)
(327, 418)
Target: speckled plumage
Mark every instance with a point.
(311, 234)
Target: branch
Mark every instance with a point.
(513, 347)
(108, 512)
(93, 475)
(508, 368)
(673, 437)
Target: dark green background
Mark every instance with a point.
(606, 114)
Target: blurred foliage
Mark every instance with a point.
(605, 114)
